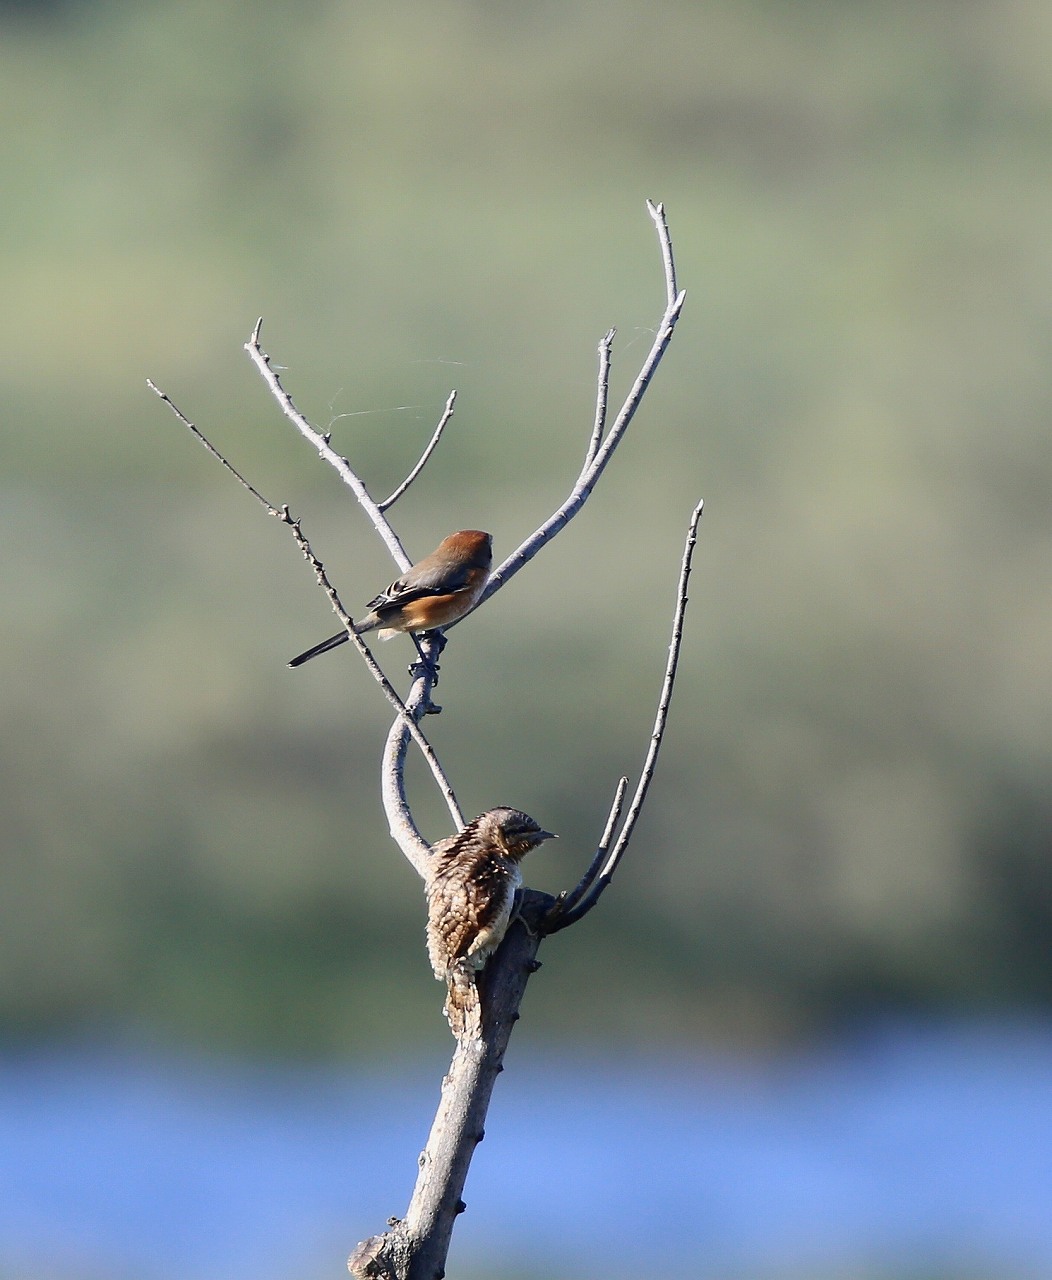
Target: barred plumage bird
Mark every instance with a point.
(472, 880)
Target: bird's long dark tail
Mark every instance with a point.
(324, 647)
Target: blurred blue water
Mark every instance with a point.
(901, 1148)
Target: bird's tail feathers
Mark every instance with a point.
(463, 1009)
(323, 647)
(369, 623)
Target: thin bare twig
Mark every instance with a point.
(403, 829)
(405, 717)
(561, 917)
(657, 212)
(447, 413)
(614, 814)
(666, 326)
(203, 439)
(602, 391)
(595, 465)
(566, 901)
(320, 440)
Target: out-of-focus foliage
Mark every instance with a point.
(852, 807)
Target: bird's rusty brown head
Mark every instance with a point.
(475, 545)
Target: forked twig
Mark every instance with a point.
(406, 718)
(567, 900)
(320, 440)
(599, 450)
(598, 453)
(566, 912)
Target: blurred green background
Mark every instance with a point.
(852, 811)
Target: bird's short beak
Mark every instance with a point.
(544, 835)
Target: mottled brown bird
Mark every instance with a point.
(472, 880)
(435, 592)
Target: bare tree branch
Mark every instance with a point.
(566, 901)
(392, 784)
(201, 438)
(595, 463)
(432, 445)
(598, 453)
(657, 212)
(392, 787)
(407, 719)
(561, 916)
(320, 440)
(403, 829)
(415, 1248)
(615, 813)
(602, 391)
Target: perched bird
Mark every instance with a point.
(435, 592)
(472, 880)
